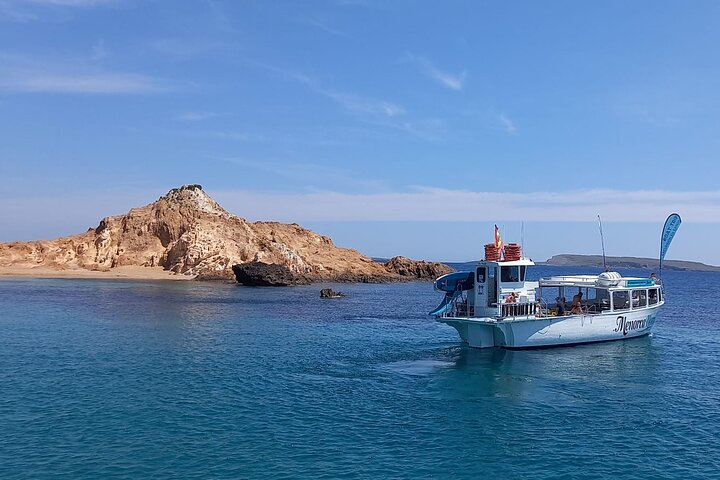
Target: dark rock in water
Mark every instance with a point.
(258, 274)
(330, 293)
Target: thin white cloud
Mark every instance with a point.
(10, 10)
(71, 3)
(34, 10)
(373, 111)
(99, 83)
(185, 49)
(24, 75)
(507, 124)
(431, 204)
(229, 135)
(448, 80)
(376, 112)
(323, 25)
(307, 173)
(363, 105)
(352, 3)
(99, 52)
(353, 103)
(197, 116)
(388, 115)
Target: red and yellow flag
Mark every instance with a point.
(498, 240)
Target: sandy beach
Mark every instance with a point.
(125, 273)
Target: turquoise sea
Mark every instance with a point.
(131, 379)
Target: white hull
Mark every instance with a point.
(533, 332)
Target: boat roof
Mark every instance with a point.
(600, 280)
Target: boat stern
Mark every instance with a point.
(476, 333)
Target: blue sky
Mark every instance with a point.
(387, 125)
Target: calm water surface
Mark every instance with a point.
(114, 379)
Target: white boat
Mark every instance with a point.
(494, 306)
(612, 307)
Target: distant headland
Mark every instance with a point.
(571, 260)
(185, 234)
(596, 261)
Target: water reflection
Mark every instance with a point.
(556, 375)
(479, 357)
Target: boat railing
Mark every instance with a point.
(460, 308)
(463, 309)
(518, 309)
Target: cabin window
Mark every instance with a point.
(621, 300)
(522, 273)
(653, 296)
(549, 294)
(552, 298)
(603, 299)
(509, 274)
(591, 300)
(639, 298)
(481, 275)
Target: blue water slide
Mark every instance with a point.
(446, 303)
(456, 281)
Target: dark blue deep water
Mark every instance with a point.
(123, 379)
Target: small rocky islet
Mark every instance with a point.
(188, 233)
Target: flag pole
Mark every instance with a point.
(602, 243)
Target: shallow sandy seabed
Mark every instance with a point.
(129, 272)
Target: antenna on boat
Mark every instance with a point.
(522, 236)
(602, 243)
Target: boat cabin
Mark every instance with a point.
(607, 292)
(498, 289)
(500, 284)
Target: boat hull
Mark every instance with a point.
(537, 332)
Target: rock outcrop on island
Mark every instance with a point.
(186, 232)
(258, 274)
(415, 269)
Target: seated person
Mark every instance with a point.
(577, 303)
(511, 298)
(560, 305)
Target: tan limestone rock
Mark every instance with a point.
(188, 233)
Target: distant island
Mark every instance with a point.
(595, 261)
(571, 260)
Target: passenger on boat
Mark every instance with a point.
(560, 305)
(655, 278)
(511, 298)
(577, 303)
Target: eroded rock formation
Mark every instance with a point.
(415, 269)
(186, 232)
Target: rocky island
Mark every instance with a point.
(186, 234)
